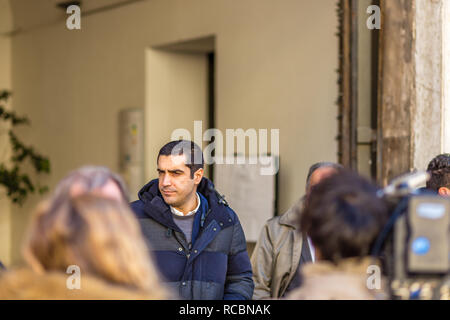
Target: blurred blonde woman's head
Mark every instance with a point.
(99, 235)
(91, 179)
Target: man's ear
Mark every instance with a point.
(443, 191)
(198, 175)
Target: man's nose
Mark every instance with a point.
(166, 180)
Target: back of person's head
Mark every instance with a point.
(99, 235)
(343, 216)
(91, 179)
(439, 169)
(319, 171)
(318, 165)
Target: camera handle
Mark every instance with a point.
(399, 210)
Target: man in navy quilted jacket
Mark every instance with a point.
(195, 237)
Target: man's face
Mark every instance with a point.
(318, 175)
(175, 182)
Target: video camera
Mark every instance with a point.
(415, 243)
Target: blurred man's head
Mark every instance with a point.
(439, 169)
(343, 216)
(319, 171)
(94, 180)
(180, 170)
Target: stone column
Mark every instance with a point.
(429, 113)
(413, 124)
(446, 77)
(396, 89)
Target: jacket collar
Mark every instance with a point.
(290, 217)
(157, 209)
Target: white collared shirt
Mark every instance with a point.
(179, 213)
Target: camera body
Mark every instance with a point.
(417, 250)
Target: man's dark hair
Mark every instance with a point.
(193, 153)
(343, 216)
(439, 169)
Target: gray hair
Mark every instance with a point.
(318, 165)
(90, 178)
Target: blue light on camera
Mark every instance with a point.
(421, 246)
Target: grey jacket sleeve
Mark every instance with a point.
(262, 262)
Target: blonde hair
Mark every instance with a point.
(99, 235)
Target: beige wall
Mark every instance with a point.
(176, 86)
(276, 68)
(6, 25)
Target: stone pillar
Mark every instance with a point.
(396, 89)
(428, 116)
(446, 77)
(413, 124)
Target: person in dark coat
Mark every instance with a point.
(195, 237)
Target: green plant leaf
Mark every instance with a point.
(19, 185)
